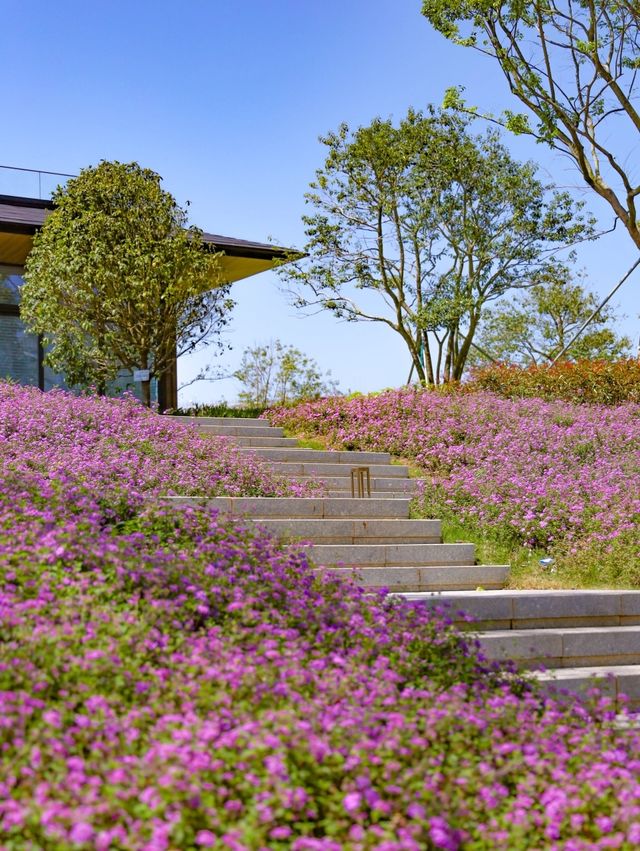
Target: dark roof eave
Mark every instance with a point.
(14, 220)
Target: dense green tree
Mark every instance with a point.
(273, 373)
(574, 66)
(419, 225)
(535, 326)
(117, 280)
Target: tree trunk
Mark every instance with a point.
(427, 360)
(145, 388)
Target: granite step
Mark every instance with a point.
(361, 531)
(573, 647)
(502, 610)
(301, 507)
(435, 577)
(378, 483)
(240, 431)
(351, 459)
(198, 422)
(344, 494)
(324, 470)
(391, 555)
(265, 442)
(620, 683)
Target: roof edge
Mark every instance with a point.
(23, 201)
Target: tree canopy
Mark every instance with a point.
(116, 278)
(536, 325)
(574, 65)
(274, 374)
(418, 225)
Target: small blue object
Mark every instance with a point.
(546, 562)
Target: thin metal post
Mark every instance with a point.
(360, 481)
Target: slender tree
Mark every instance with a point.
(273, 373)
(116, 279)
(538, 323)
(418, 226)
(574, 65)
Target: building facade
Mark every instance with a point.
(22, 353)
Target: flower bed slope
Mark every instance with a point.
(552, 475)
(173, 680)
(119, 451)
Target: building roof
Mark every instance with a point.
(20, 218)
(26, 215)
(22, 215)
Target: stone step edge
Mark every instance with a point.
(215, 421)
(536, 609)
(569, 647)
(393, 554)
(432, 577)
(302, 507)
(613, 681)
(338, 456)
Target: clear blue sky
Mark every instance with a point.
(226, 101)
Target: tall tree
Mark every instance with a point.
(116, 279)
(537, 324)
(574, 65)
(418, 226)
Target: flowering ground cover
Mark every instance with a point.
(172, 680)
(558, 476)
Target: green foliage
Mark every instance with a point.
(117, 279)
(596, 382)
(418, 225)
(537, 325)
(573, 66)
(277, 374)
(220, 409)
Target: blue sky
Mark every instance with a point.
(226, 101)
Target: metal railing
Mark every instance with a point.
(26, 182)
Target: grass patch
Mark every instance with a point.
(526, 570)
(308, 442)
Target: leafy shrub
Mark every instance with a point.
(219, 409)
(598, 382)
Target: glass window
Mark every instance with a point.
(18, 352)
(10, 283)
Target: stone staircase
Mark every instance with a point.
(571, 640)
(371, 538)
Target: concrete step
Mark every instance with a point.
(330, 531)
(241, 431)
(344, 494)
(323, 470)
(576, 647)
(326, 456)
(197, 422)
(300, 507)
(390, 555)
(537, 609)
(612, 681)
(265, 442)
(378, 483)
(431, 578)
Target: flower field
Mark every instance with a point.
(554, 475)
(170, 680)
